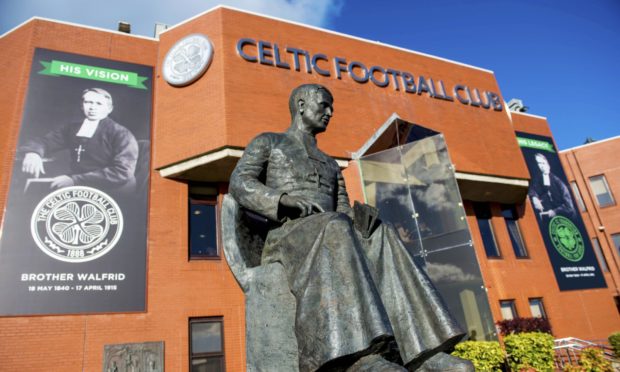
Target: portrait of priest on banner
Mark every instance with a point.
(95, 151)
(549, 194)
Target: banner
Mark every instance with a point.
(74, 230)
(565, 236)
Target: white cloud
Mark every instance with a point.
(312, 12)
(142, 14)
(447, 273)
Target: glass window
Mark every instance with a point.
(203, 242)
(512, 218)
(483, 216)
(600, 255)
(509, 311)
(537, 308)
(580, 204)
(601, 191)
(206, 345)
(616, 240)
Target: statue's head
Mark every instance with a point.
(311, 107)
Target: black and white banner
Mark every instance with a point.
(74, 230)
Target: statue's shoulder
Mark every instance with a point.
(268, 139)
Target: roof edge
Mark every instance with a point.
(37, 18)
(217, 7)
(590, 144)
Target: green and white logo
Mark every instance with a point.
(566, 238)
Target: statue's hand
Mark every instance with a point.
(304, 205)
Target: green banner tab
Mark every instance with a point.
(535, 144)
(108, 75)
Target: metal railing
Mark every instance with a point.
(568, 350)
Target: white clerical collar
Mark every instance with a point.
(88, 128)
(546, 181)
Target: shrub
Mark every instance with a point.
(531, 350)
(614, 341)
(487, 356)
(592, 359)
(521, 325)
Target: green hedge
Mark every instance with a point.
(487, 356)
(614, 341)
(529, 350)
(592, 359)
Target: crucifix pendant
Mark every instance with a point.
(79, 151)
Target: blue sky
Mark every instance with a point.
(559, 56)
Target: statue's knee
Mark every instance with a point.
(340, 223)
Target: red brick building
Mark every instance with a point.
(199, 131)
(593, 174)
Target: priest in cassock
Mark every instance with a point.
(103, 153)
(362, 302)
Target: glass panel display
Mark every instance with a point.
(414, 187)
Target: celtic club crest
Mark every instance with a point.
(566, 238)
(76, 224)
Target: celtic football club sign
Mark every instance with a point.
(566, 238)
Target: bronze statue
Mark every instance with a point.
(362, 302)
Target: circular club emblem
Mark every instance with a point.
(566, 238)
(76, 224)
(187, 60)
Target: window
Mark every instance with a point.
(536, 308)
(577, 194)
(483, 216)
(202, 223)
(616, 240)
(511, 218)
(601, 191)
(509, 311)
(206, 345)
(600, 255)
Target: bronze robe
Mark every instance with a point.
(353, 294)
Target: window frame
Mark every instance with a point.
(515, 218)
(513, 308)
(203, 200)
(477, 206)
(220, 354)
(581, 205)
(606, 185)
(541, 306)
(616, 246)
(600, 256)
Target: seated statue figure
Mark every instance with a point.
(362, 303)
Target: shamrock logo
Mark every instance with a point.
(566, 238)
(78, 225)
